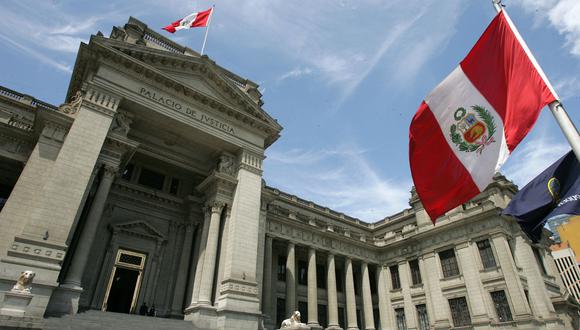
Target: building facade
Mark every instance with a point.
(566, 261)
(146, 187)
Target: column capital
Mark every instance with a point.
(110, 171)
(211, 207)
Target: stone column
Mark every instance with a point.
(193, 265)
(291, 279)
(475, 291)
(200, 257)
(267, 307)
(440, 304)
(206, 284)
(367, 298)
(538, 292)
(385, 310)
(331, 292)
(509, 269)
(408, 305)
(180, 281)
(40, 217)
(312, 290)
(350, 297)
(85, 242)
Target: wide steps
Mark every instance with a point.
(97, 320)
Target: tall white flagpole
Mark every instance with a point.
(566, 125)
(207, 29)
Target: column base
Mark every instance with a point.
(15, 304)
(64, 300)
(352, 328)
(315, 326)
(333, 327)
(202, 316)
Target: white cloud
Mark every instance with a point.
(568, 87)
(531, 158)
(563, 15)
(37, 55)
(295, 73)
(341, 179)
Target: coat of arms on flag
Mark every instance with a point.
(473, 129)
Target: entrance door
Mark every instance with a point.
(122, 290)
(124, 283)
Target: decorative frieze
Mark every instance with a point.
(100, 101)
(37, 250)
(251, 162)
(239, 287)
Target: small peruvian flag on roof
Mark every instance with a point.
(199, 19)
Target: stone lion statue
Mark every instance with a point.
(24, 282)
(293, 322)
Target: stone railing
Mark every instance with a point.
(148, 36)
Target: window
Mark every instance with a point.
(302, 272)
(486, 254)
(339, 279)
(281, 269)
(128, 172)
(539, 260)
(422, 317)
(415, 272)
(400, 319)
(373, 280)
(459, 312)
(502, 307)
(321, 316)
(303, 309)
(151, 179)
(448, 263)
(341, 317)
(395, 280)
(321, 276)
(174, 186)
(280, 310)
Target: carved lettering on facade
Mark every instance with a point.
(184, 109)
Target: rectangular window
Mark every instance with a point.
(486, 254)
(128, 172)
(303, 309)
(341, 317)
(539, 260)
(459, 312)
(395, 280)
(321, 276)
(151, 179)
(322, 314)
(302, 272)
(415, 272)
(339, 279)
(400, 319)
(502, 308)
(422, 317)
(448, 263)
(281, 269)
(280, 310)
(174, 186)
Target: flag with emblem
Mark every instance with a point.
(553, 192)
(470, 123)
(199, 19)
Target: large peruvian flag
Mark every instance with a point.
(470, 123)
(199, 19)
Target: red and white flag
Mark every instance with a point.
(199, 19)
(470, 123)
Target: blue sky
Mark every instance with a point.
(343, 77)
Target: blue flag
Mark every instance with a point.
(555, 191)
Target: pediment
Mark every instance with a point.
(200, 83)
(195, 77)
(138, 228)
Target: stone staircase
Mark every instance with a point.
(97, 320)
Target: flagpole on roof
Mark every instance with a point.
(207, 29)
(566, 125)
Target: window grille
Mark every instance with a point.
(448, 263)
(415, 272)
(423, 317)
(400, 318)
(502, 308)
(486, 254)
(459, 312)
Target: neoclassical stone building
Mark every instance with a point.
(146, 187)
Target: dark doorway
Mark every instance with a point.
(122, 290)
